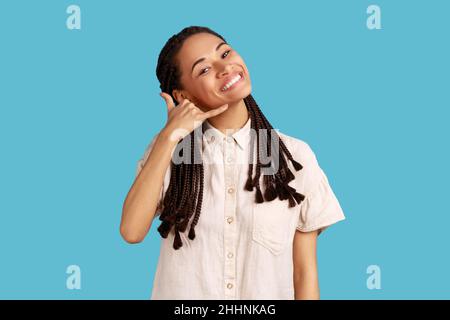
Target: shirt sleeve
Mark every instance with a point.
(320, 208)
(140, 164)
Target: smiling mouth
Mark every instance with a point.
(231, 84)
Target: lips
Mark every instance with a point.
(229, 78)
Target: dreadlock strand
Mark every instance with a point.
(199, 206)
(297, 165)
(249, 183)
(177, 243)
(258, 196)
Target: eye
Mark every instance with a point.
(203, 70)
(227, 52)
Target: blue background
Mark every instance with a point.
(78, 108)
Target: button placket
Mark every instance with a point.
(230, 218)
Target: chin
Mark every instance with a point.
(245, 93)
(238, 95)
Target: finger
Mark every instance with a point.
(186, 105)
(185, 102)
(214, 112)
(169, 100)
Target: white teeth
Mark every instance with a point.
(232, 81)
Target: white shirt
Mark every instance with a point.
(242, 250)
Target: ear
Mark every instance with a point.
(178, 95)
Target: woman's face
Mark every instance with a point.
(207, 66)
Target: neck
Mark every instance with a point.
(232, 119)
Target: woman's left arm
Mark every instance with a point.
(306, 280)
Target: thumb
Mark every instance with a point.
(168, 99)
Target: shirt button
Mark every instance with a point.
(230, 255)
(229, 159)
(230, 219)
(212, 139)
(229, 285)
(230, 139)
(230, 190)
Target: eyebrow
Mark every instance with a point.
(202, 59)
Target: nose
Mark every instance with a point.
(226, 70)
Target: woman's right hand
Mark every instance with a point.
(184, 118)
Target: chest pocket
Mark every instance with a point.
(272, 224)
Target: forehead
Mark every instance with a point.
(197, 46)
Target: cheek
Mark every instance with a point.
(238, 59)
(241, 62)
(208, 87)
(205, 91)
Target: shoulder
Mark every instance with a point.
(301, 150)
(311, 174)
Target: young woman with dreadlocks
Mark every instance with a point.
(242, 222)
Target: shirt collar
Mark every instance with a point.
(241, 136)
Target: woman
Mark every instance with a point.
(242, 222)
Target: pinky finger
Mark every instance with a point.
(214, 112)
